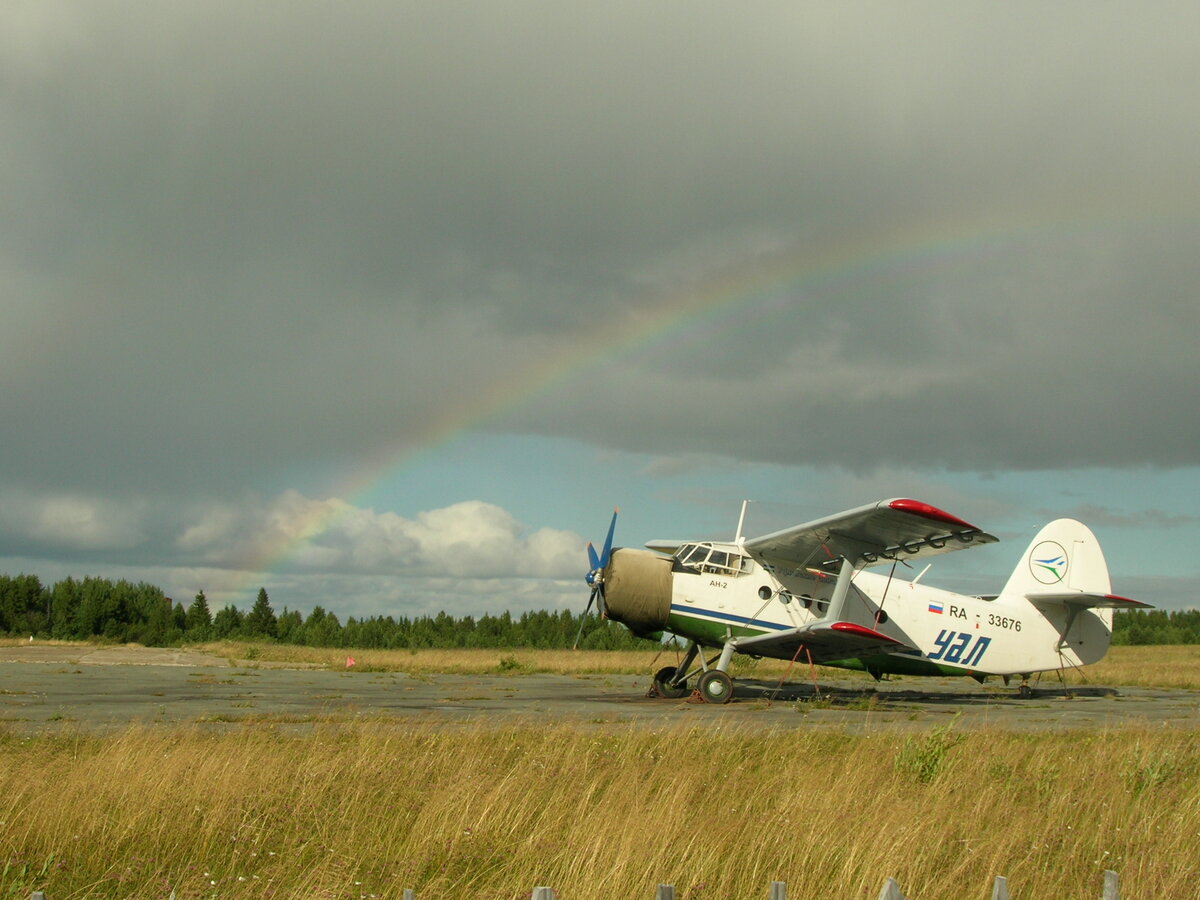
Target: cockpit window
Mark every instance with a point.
(709, 560)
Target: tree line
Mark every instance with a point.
(141, 613)
(1157, 626)
(123, 612)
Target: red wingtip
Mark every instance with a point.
(926, 511)
(862, 631)
(1133, 603)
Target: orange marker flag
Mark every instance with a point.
(349, 661)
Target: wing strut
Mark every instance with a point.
(841, 590)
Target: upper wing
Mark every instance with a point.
(822, 640)
(887, 530)
(667, 547)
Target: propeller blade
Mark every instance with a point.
(595, 576)
(583, 618)
(608, 540)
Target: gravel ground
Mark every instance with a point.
(48, 689)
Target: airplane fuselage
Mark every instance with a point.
(946, 633)
(805, 593)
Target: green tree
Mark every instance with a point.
(261, 621)
(322, 629)
(64, 609)
(89, 614)
(228, 622)
(155, 625)
(291, 626)
(23, 605)
(198, 621)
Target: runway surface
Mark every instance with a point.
(51, 689)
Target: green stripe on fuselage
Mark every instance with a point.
(714, 634)
(708, 632)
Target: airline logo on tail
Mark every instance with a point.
(1048, 562)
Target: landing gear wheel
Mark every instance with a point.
(715, 687)
(1024, 692)
(663, 686)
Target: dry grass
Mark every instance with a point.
(502, 660)
(451, 662)
(487, 661)
(368, 810)
(1162, 666)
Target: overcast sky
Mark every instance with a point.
(384, 306)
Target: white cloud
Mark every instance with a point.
(480, 539)
(468, 558)
(72, 521)
(471, 539)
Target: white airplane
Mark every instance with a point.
(803, 594)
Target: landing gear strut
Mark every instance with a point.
(671, 681)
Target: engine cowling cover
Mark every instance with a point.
(637, 589)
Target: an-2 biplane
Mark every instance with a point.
(804, 594)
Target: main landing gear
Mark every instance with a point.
(665, 685)
(1024, 691)
(713, 685)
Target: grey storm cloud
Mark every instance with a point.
(244, 236)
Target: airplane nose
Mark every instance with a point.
(637, 590)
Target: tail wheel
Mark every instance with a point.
(715, 687)
(664, 684)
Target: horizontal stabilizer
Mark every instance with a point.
(1082, 600)
(823, 640)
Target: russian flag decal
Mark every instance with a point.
(935, 606)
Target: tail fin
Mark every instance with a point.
(1064, 576)
(1065, 556)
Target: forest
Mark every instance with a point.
(122, 612)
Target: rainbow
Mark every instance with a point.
(682, 314)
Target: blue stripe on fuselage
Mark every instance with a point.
(730, 617)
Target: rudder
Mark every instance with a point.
(1065, 555)
(1064, 577)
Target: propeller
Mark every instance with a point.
(595, 575)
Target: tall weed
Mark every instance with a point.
(923, 758)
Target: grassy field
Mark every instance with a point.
(1166, 667)
(368, 808)
(490, 812)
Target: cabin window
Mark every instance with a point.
(706, 559)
